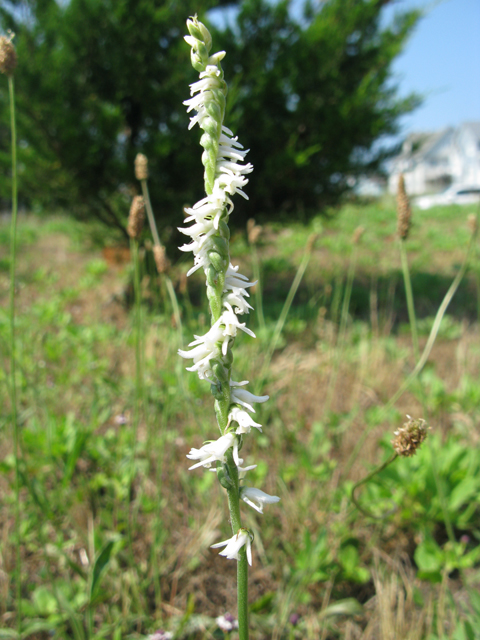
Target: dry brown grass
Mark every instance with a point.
(306, 389)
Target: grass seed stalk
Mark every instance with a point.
(8, 63)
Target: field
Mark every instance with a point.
(116, 531)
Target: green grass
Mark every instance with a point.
(116, 534)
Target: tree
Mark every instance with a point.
(97, 82)
(312, 97)
(100, 80)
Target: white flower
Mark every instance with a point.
(230, 320)
(256, 498)
(215, 450)
(245, 421)
(244, 397)
(205, 349)
(161, 635)
(227, 623)
(233, 545)
(235, 290)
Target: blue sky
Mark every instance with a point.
(442, 62)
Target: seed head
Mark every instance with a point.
(136, 217)
(311, 242)
(141, 167)
(253, 231)
(8, 55)
(472, 222)
(357, 234)
(409, 437)
(161, 259)
(404, 212)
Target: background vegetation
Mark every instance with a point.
(116, 531)
(101, 80)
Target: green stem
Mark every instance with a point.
(409, 295)
(176, 310)
(258, 287)
(242, 595)
(233, 493)
(364, 481)
(286, 308)
(13, 384)
(150, 216)
(343, 329)
(139, 394)
(138, 333)
(168, 282)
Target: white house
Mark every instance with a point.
(431, 162)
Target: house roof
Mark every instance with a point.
(419, 146)
(472, 127)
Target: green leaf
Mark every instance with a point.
(100, 564)
(347, 607)
(38, 626)
(475, 601)
(77, 449)
(264, 602)
(44, 601)
(429, 559)
(463, 492)
(349, 558)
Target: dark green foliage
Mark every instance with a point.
(100, 80)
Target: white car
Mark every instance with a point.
(456, 194)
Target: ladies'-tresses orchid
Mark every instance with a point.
(235, 543)
(244, 420)
(256, 498)
(227, 290)
(215, 451)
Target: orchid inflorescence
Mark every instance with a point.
(227, 289)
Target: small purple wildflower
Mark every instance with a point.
(294, 618)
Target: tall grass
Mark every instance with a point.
(8, 61)
(340, 572)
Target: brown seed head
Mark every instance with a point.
(253, 231)
(141, 167)
(404, 212)
(161, 259)
(8, 55)
(357, 234)
(409, 437)
(136, 217)
(183, 286)
(311, 242)
(472, 222)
